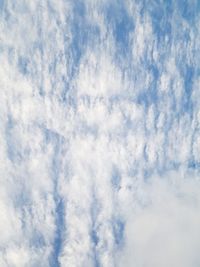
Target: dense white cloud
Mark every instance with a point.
(164, 230)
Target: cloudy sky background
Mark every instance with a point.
(99, 133)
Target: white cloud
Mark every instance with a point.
(164, 232)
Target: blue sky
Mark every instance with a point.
(99, 133)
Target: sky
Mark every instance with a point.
(99, 133)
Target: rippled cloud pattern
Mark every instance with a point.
(99, 133)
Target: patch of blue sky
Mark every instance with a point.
(1, 5)
(118, 231)
(84, 34)
(188, 9)
(188, 75)
(60, 229)
(58, 142)
(23, 65)
(94, 234)
(120, 25)
(116, 178)
(160, 13)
